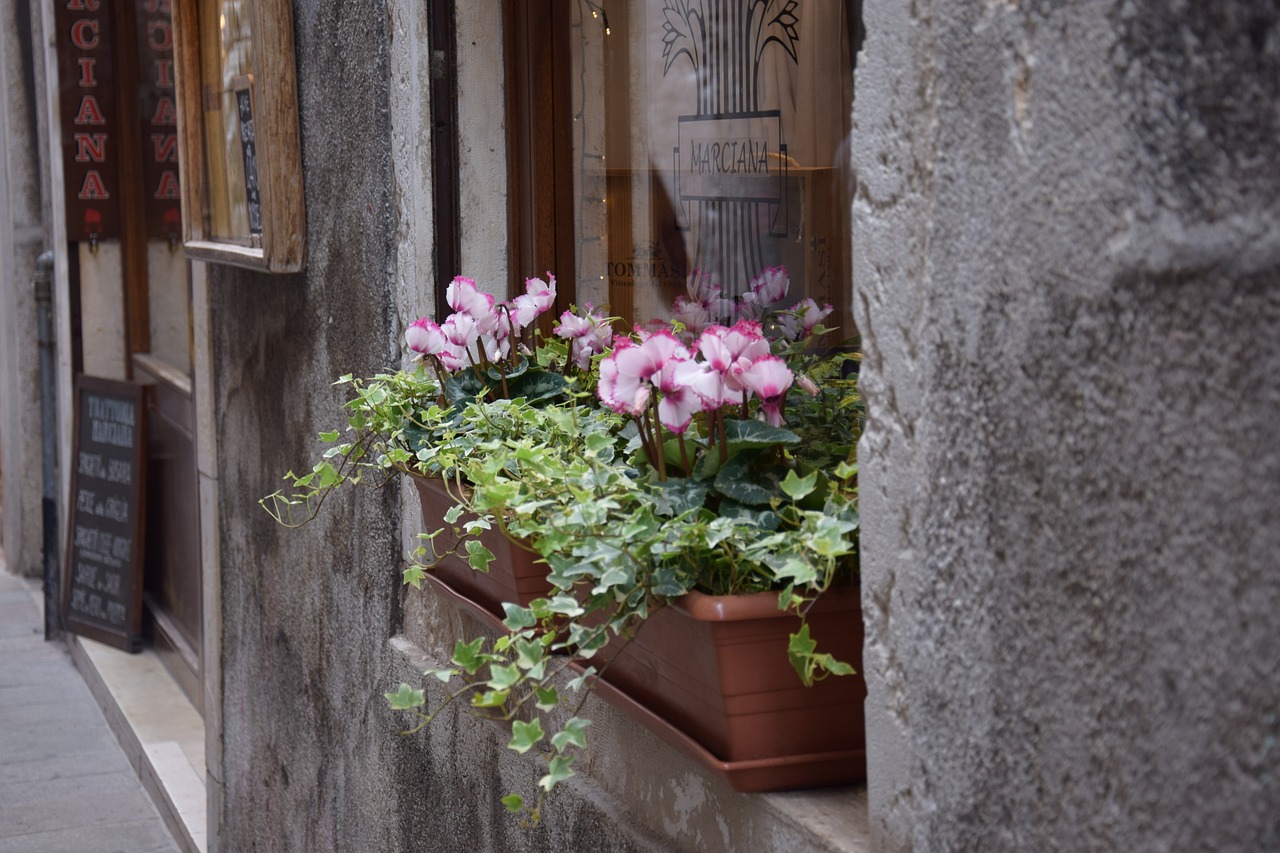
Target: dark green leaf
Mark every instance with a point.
(537, 386)
(745, 435)
(678, 495)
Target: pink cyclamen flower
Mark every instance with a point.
(462, 330)
(463, 297)
(587, 335)
(729, 352)
(687, 387)
(809, 315)
(542, 292)
(770, 286)
(425, 337)
(631, 368)
(799, 322)
(769, 378)
(537, 299)
(694, 316)
(452, 358)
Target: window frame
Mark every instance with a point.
(282, 247)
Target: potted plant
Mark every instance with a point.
(479, 375)
(687, 470)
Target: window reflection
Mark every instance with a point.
(708, 137)
(226, 53)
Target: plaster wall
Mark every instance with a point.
(169, 304)
(102, 332)
(1067, 249)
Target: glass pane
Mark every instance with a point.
(226, 58)
(709, 147)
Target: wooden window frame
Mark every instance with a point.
(275, 111)
(539, 145)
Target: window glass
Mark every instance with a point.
(226, 57)
(708, 142)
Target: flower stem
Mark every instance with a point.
(657, 441)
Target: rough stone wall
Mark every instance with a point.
(312, 758)
(22, 238)
(1067, 272)
(306, 612)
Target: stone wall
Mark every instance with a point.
(311, 756)
(1067, 239)
(22, 239)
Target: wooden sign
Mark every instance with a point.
(159, 116)
(86, 95)
(249, 148)
(102, 590)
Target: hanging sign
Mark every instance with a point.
(159, 117)
(102, 590)
(87, 105)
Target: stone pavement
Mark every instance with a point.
(65, 784)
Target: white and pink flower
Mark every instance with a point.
(424, 337)
(768, 378)
(464, 298)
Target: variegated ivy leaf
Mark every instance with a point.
(406, 698)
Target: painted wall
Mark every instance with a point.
(1067, 239)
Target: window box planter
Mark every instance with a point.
(710, 675)
(513, 575)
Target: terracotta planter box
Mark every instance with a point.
(715, 668)
(513, 575)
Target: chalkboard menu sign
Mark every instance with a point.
(249, 148)
(102, 591)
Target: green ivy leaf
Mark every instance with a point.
(490, 699)
(559, 770)
(406, 698)
(808, 663)
(548, 698)
(468, 656)
(513, 802)
(525, 735)
(414, 575)
(518, 618)
(503, 677)
(478, 556)
(573, 734)
(797, 488)
(529, 653)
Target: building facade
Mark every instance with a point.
(1054, 228)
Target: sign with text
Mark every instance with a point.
(243, 87)
(87, 105)
(159, 116)
(102, 590)
(733, 157)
